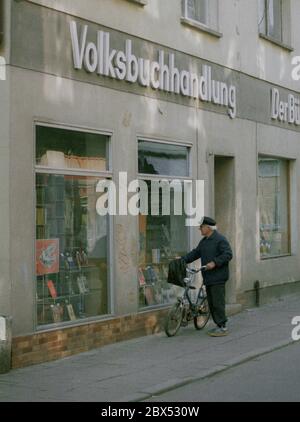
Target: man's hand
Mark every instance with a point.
(210, 266)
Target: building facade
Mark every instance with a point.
(181, 90)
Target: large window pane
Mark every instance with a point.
(162, 238)
(61, 148)
(71, 249)
(164, 159)
(273, 184)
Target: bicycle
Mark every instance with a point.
(185, 310)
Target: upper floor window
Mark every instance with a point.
(202, 14)
(197, 10)
(274, 20)
(271, 18)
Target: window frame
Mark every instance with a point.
(209, 27)
(263, 24)
(108, 174)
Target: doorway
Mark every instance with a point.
(224, 207)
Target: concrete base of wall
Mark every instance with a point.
(268, 294)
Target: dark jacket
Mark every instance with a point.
(177, 272)
(214, 248)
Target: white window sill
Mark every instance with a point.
(276, 42)
(201, 27)
(140, 2)
(265, 258)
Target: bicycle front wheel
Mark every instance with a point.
(203, 315)
(173, 319)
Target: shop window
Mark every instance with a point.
(274, 20)
(273, 185)
(162, 234)
(201, 14)
(71, 238)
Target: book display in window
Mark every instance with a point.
(65, 275)
(71, 286)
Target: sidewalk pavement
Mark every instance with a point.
(137, 369)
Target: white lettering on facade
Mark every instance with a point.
(296, 69)
(161, 74)
(285, 111)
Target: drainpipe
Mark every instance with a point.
(257, 293)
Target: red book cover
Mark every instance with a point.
(52, 289)
(142, 280)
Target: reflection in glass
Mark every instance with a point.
(164, 159)
(61, 148)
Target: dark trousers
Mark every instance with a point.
(216, 302)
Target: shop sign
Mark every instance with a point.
(285, 110)
(99, 57)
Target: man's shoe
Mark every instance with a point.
(183, 323)
(218, 332)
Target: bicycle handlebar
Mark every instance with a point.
(192, 271)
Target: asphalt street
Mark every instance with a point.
(272, 377)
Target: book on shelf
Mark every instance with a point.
(52, 289)
(41, 232)
(82, 284)
(150, 275)
(166, 233)
(40, 195)
(149, 295)
(167, 251)
(141, 276)
(70, 263)
(165, 271)
(40, 216)
(71, 312)
(57, 312)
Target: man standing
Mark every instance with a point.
(215, 253)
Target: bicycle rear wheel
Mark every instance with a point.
(203, 315)
(173, 319)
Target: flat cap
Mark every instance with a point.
(208, 221)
